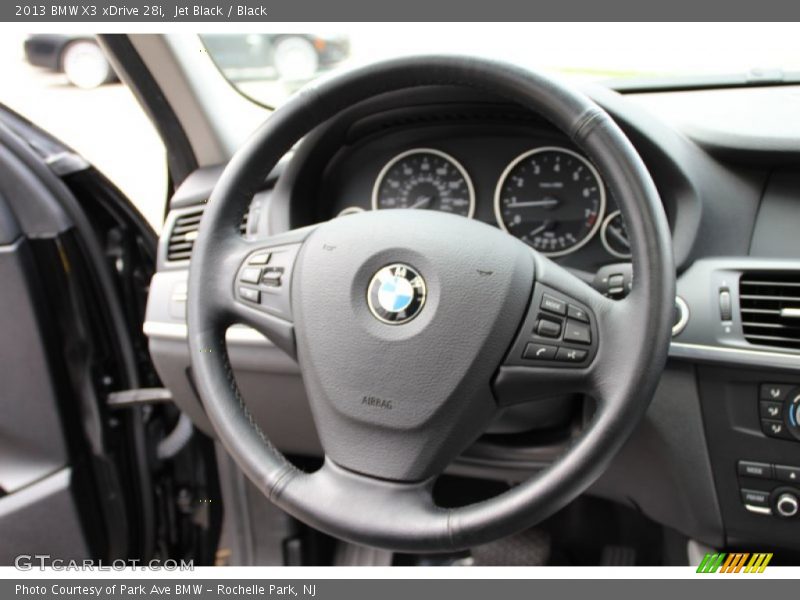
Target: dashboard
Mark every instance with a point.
(711, 456)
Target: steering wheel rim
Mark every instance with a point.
(356, 502)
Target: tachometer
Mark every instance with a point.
(424, 178)
(552, 199)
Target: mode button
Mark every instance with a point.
(755, 469)
(553, 304)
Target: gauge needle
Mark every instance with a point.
(539, 229)
(421, 202)
(534, 203)
(620, 236)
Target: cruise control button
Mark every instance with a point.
(250, 294)
(776, 392)
(539, 351)
(262, 258)
(747, 468)
(547, 328)
(788, 474)
(771, 410)
(577, 332)
(250, 275)
(755, 497)
(571, 355)
(775, 429)
(576, 312)
(554, 305)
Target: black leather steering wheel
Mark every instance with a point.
(410, 326)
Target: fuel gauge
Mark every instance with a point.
(614, 236)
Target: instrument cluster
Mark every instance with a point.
(550, 197)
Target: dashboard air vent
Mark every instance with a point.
(770, 306)
(184, 232)
(182, 236)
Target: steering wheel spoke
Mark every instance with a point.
(406, 509)
(556, 349)
(258, 290)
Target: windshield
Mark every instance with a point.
(269, 67)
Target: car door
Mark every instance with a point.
(79, 478)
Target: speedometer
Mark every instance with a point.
(552, 199)
(424, 178)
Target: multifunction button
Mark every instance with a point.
(548, 328)
(540, 351)
(576, 312)
(272, 276)
(558, 331)
(263, 279)
(571, 355)
(577, 332)
(250, 275)
(260, 258)
(250, 294)
(553, 305)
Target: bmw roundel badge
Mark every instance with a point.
(396, 294)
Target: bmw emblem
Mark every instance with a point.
(396, 294)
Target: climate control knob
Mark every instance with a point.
(787, 505)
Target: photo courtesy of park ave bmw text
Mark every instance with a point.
(349, 299)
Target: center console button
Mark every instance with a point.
(788, 474)
(776, 392)
(771, 410)
(755, 469)
(755, 498)
(787, 505)
(775, 429)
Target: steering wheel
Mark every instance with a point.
(413, 328)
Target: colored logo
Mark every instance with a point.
(737, 562)
(396, 294)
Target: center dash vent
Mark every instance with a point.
(770, 305)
